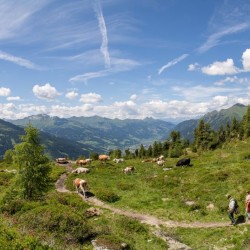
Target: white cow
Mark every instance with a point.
(118, 160)
(128, 170)
(80, 170)
(160, 162)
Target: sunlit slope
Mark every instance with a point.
(177, 193)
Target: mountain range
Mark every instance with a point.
(77, 136)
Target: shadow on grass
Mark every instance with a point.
(240, 219)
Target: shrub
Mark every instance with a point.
(131, 226)
(111, 242)
(11, 202)
(107, 195)
(59, 220)
(125, 186)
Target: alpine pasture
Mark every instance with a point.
(190, 199)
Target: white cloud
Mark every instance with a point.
(172, 63)
(221, 68)
(246, 60)
(14, 14)
(199, 92)
(71, 95)
(67, 111)
(214, 39)
(233, 79)
(7, 110)
(118, 65)
(17, 60)
(13, 98)
(193, 67)
(46, 92)
(90, 98)
(133, 97)
(4, 91)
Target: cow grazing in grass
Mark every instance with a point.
(118, 160)
(80, 170)
(183, 162)
(128, 170)
(81, 162)
(160, 162)
(81, 185)
(103, 157)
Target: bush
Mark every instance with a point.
(111, 242)
(11, 202)
(9, 239)
(131, 226)
(59, 220)
(125, 186)
(107, 195)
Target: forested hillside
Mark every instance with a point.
(215, 119)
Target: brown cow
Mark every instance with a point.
(81, 162)
(103, 157)
(81, 185)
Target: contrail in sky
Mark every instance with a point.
(17, 60)
(173, 62)
(102, 26)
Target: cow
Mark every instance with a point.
(81, 185)
(62, 160)
(128, 169)
(160, 162)
(118, 160)
(161, 158)
(103, 157)
(80, 170)
(183, 162)
(88, 160)
(81, 162)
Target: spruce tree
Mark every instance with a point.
(246, 123)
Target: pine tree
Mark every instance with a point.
(203, 135)
(155, 149)
(150, 151)
(34, 165)
(142, 151)
(246, 123)
(235, 128)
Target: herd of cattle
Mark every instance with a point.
(82, 185)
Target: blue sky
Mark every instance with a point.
(167, 59)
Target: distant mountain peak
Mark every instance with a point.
(239, 105)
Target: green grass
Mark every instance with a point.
(150, 190)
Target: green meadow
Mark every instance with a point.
(180, 194)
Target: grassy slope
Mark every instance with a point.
(149, 190)
(164, 193)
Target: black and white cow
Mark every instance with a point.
(183, 162)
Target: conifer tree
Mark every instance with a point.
(221, 134)
(34, 165)
(235, 128)
(155, 149)
(150, 151)
(203, 135)
(142, 151)
(246, 123)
